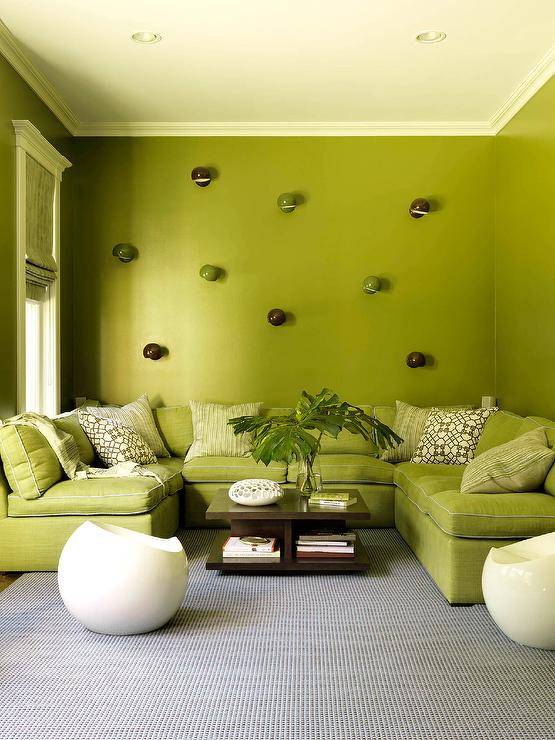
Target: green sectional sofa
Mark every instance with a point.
(451, 533)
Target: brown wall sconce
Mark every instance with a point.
(125, 252)
(419, 207)
(371, 284)
(276, 317)
(416, 359)
(152, 351)
(210, 272)
(201, 176)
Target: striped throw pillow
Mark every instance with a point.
(212, 434)
(517, 466)
(137, 416)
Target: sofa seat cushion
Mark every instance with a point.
(349, 469)
(419, 481)
(493, 515)
(92, 496)
(231, 469)
(168, 469)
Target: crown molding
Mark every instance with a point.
(30, 139)
(37, 81)
(281, 128)
(536, 78)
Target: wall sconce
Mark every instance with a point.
(287, 202)
(125, 252)
(276, 317)
(419, 207)
(371, 284)
(416, 359)
(201, 176)
(210, 272)
(152, 351)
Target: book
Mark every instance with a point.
(323, 543)
(326, 555)
(332, 504)
(330, 496)
(331, 535)
(329, 549)
(238, 555)
(240, 545)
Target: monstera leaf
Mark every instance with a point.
(296, 436)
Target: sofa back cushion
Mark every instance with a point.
(499, 429)
(69, 423)
(533, 422)
(30, 464)
(175, 425)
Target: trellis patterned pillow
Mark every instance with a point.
(115, 443)
(450, 437)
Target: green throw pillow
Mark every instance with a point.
(69, 423)
(517, 466)
(30, 464)
(212, 434)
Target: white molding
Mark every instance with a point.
(30, 139)
(37, 81)
(534, 80)
(281, 128)
(30, 142)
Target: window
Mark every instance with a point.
(39, 173)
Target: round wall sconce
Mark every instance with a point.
(416, 359)
(287, 202)
(276, 317)
(419, 207)
(210, 272)
(371, 284)
(125, 252)
(152, 351)
(201, 176)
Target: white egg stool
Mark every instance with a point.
(518, 582)
(119, 582)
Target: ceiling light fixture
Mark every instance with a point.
(431, 37)
(146, 37)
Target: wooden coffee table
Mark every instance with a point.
(285, 520)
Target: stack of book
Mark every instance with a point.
(255, 548)
(339, 499)
(326, 543)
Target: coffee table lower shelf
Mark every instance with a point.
(359, 562)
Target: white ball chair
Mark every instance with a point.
(119, 582)
(518, 582)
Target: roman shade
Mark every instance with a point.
(40, 265)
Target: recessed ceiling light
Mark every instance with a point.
(431, 37)
(146, 37)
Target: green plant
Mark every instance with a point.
(297, 436)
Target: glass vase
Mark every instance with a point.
(309, 476)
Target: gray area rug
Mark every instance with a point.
(315, 657)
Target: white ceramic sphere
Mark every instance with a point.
(255, 492)
(120, 582)
(518, 582)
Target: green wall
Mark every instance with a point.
(525, 257)
(18, 101)
(438, 270)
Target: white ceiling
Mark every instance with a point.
(350, 61)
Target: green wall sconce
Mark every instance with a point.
(210, 272)
(201, 176)
(416, 359)
(152, 351)
(287, 202)
(419, 207)
(276, 316)
(371, 284)
(125, 252)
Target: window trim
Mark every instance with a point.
(29, 141)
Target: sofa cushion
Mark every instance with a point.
(69, 423)
(168, 469)
(419, 481)
(451, 436)
(231, 469)
(349, 469)
(115, 443)
(30, 464)
(348, 443)
(175, 425)
(503, 515)
(213, 435)
(499, 428)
